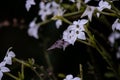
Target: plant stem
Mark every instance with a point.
(102, 51)
(12, 76)
(81, 71)
(21, 62)
(28, 65)
(107, 58)
(22, 71)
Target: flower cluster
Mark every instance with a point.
(78, 27)
(6, 60)
(75, 31)
(51, 8)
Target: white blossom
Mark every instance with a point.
(33, 29)
(51, 8)
(7, 60)
(116, 25)
(70, 77)
(8, 57)
(2, 70)
(57, 11)
(55, 8)
(29, 3)
(45, 10)
(103, 5)
(75, 31)
(113, 36)
(58, 23)
(88, 12)
(69, 36)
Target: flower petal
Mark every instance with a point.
(5, 69)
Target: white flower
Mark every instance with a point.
(7, 60)
(45, 10)
(57, 11)
(55, 8)
(70, 77)
(69, 36)
(8, 57)
(113, 36)
(33, 29)
(103, 5)
(116, 25)
(2, 70)
(58, 23)
(75, 31)
(29, 3)
(89, 12)
(80, 24)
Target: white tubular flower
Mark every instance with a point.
(75, 31)
(69, 35)
(103, 5)
(57, 11)
(2, 70)
(33, 29)
(113, 36)
(55, 7)
(58, 23)
(8, 57)
(7, 60)
(70, 77)
(79, 25)
(45, 10)
(89, 12)
(116, 25)
(29, 3)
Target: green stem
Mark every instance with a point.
(22, 71)
(65, 20)
(27, 65)
(44, 22)
(107, 58)
(102, 51)
(87, 43)
(65, 15)
(114, 8)
(81, 71)
(21, 62)
(37, 73)
(12, 76)
(71, 14)
(106, 13)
